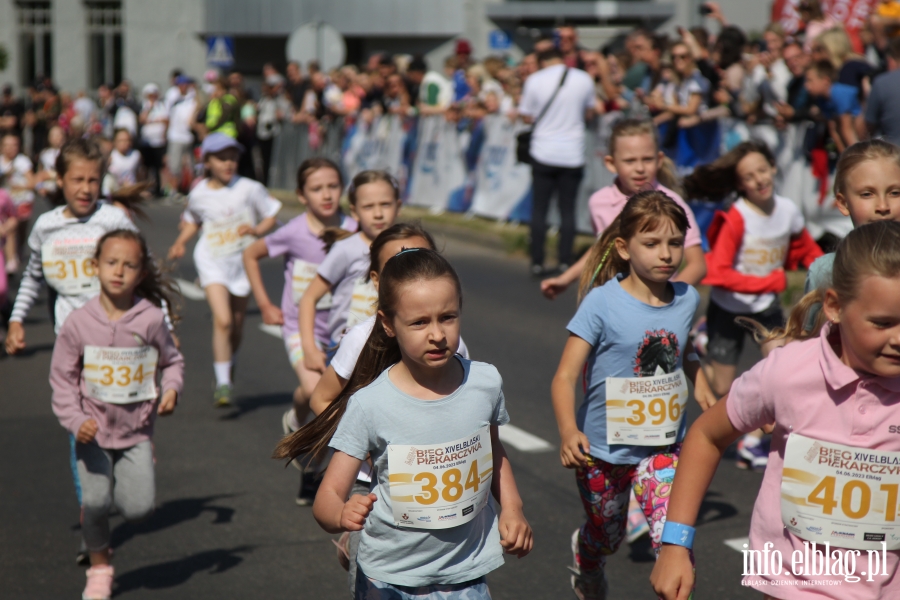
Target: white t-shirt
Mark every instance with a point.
(558, 138)
(16, 171)
(354, 341)
(123, 168)
(126, 119)
(154, 130)
(763, 249)
(180, 120)
(47, 159)
(173, 95)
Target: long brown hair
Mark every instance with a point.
(643, 212)
(397, 231)
(155, 286)
(634, 127)
(336, 234)
(380, 352)
(719, 178)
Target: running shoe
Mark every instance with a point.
(222, 395)
(755, 457)
(287, 429)
(99, 583)
(637, 525)
(309, 485)
(587, 586)
(83, 557)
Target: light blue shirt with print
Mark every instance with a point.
(629, 339)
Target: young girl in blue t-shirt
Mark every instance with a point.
(628, 431)
(429, 419)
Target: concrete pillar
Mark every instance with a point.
(70, 45)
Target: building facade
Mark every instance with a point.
(82, 43)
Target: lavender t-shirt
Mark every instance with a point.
(347, 261)
(297, 242)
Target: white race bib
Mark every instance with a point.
(645, 411)
(840, 494)
(302, 276)
(121, 375)
(441, 485)
(364, 302)
(222, 237)
(68, 267)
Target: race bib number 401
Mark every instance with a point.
(222, 235)
(68, 266)
(645, 411)
(840, 494)
(121, 375)
(441, 485)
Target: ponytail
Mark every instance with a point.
(130, 198)
(804, 322)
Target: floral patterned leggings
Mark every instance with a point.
(604, 489)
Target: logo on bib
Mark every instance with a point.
(873, 537)
(843, 534)
(468, 509)
(449, 517)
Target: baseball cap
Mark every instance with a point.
(463, 47)
(216, 142)
(183, 80)
(150, 88)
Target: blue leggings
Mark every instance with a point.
(73, 464)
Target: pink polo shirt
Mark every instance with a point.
(606, 204)
(806, 389)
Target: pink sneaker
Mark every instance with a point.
(99, 583)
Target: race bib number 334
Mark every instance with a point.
(645, 411)
(441, 485)
(121, 375)
(841, 494)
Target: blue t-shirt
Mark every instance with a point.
(379, 415)
(628, 339)
(844, 100)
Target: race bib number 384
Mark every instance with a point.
(441, 485)
(121, 375)
(68, 266)
(645, 411)
(840, 494)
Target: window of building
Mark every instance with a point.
(104, 26)
(35, 41)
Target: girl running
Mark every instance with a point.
(124, 163)
(834, 394)
(628, 431)
(231, 210)
(18, 171)
(46, 175)
(374, 203)
(319, 187)
(114, 368)
(752, 244)
(8, 224)
(443, 544)
(635, 158)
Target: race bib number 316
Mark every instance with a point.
(121, 375)
(840, 494)
(441, 485)
(645, 411)
(68, 266)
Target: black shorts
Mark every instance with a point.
(726, 338)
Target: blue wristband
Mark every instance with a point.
(678, 534)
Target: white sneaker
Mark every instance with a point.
(287, 429)
(587, 586)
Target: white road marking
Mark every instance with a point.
(523, 441)
(273, 330)
(190, 290)
(738, 543)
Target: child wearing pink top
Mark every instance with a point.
(832, 475)
(114, 368)
(8, 224)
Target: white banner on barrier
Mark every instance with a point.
(439, 169)
(501, 183)
(378, 145)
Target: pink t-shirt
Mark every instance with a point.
(806, 389)
(606, 204)
(295, 241)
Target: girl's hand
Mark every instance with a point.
(176, 251)
(15, 338)
(272, 315)
(167, 404)
(515, 532)
(175, 340)
(553, 287)
(673, 574)
(246, 230)
(355, 511)
(87, 432)
(703, 394)
(572, 448)
(314, 359)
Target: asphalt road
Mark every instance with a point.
(226, 525)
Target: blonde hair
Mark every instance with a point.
(837, 45)
(643, 212)
(665, 175)
(859, 153)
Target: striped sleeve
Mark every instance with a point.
(32, 279)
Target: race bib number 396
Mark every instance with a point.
(121, 375)
(441, 485)
(222, 236)
(645, 411)
(68, 266)
(840, 494)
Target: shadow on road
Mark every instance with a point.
(176, 572)
(245, 405)
(171, 514)
(713, 510)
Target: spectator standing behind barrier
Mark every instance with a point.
(222, 112)
(557, 149)
(154, 119)
(837, 102)
(883, 110)
(272, 109)
(11, 112)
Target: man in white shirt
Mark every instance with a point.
(557, 148)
